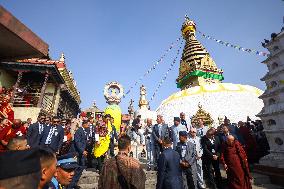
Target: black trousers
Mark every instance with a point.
(157, 150)
(189, 178)
(111, 148)
(211, 168)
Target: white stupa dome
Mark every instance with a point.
(221, 99)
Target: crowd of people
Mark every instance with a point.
(54, 152)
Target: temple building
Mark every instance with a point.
(272, 115)
(36, 83)
(200, 81)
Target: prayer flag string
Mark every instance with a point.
(260, 53)
(154, 66)
(166, 74)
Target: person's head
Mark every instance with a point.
(167, 142)
(124, 143)
(17, 123)
(193, 132)
(65, 170)
(5, 122)
(55, 121)
(149, 122)
(20, 169)
(47, 120)
(176, 121)
(183, 136)
(241, 124)
(107, 117)
(111, 120)
(226, 121)
(85, 124)
(230, 140)
(139, 117)
(29, 120)
(25, 124)
(63, 122)
(18, 143)
(200, 122)
(159, 119)
(182, 116)
(210, 133)
(225, 130)
(41, 119)
(48, 164)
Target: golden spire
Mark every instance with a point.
(196, 66)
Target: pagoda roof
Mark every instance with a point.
(17, 40)
(62, 71)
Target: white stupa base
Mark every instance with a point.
(221, 99)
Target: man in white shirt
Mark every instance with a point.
(199, 151)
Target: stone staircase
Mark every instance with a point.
(89, 180)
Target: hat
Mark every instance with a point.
(182, 133)
(67, 161)
(177, 119)
(18, 163)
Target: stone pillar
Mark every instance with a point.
(20, 75)
(43, 90)
(54, 98)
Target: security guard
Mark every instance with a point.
(65, 171)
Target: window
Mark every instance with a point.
(273, 84)
(271, 122)
(274, 65)
(271, 101)
(275, 48)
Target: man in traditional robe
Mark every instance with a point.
(234, 159)
(120, 166)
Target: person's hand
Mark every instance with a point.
(215, 157)
(85, 153)
(225, 167)
(198, 158)
(160, 141)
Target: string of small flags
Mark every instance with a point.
(166, 74)
(260, 53)
(154, 66)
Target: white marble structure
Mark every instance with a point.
(272, 115)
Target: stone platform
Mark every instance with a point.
(89, 180)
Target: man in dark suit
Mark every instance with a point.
(188, 161)
(113, 135)
(35, 130)
(211, 152)
(53, 135)
(169, 171)
(160, 132)
(81, 138)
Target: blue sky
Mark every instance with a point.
(115, 40)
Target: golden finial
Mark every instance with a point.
(62, 57)
(188, 27)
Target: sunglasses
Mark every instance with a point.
(192, 131)
(56, 121)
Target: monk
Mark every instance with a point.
(234, 159)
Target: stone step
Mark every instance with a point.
(89, 186)
(267, 186)
(259, 179)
